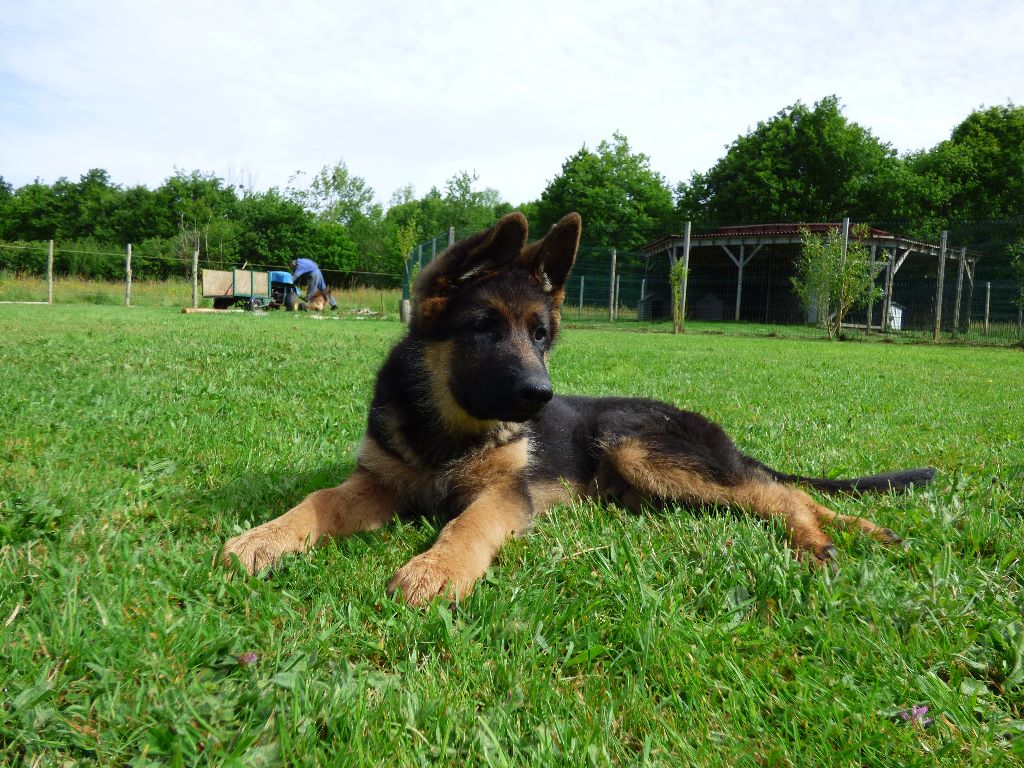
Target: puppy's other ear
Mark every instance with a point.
(550, 259)
(489, 251)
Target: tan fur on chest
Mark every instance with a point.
(470, 475)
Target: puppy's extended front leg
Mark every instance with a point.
(361, 503)
(464, 549)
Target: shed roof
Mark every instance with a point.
(789, 232)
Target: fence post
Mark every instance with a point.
(581, 297)
(49, 273)
(939, 286)
(959, 290)
(618, 285)
(970, 297)
(871, 295)
(988, 300)
(739, 282)
(195, 278)
(128, 276)
(887, 295)
(451, 236)
(686, 277)
(611, 291)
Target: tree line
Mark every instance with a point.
(806, 163)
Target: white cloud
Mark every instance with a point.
(413, 92)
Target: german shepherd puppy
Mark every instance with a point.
(317, 301)
(464, 423)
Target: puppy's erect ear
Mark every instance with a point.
(551, 257)
(489, 251)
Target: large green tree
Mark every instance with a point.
(334, 193)
(980, 168)
(623, 201)
(804, 164)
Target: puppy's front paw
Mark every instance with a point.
(257, 548)
(428, 576)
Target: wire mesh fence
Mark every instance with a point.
(740, 279)
(84, 272)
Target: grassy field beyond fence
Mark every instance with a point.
(161, 293)
(135, 442)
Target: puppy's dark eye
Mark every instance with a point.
(540, 333)
(484, 324)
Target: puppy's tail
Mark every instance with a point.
(883, 483)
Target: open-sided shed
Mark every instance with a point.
(773, 249)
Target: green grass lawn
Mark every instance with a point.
(135, 441)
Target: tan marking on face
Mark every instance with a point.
(437, 356)
(520, 323)
(428, 309)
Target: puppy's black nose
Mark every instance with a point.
(535, 391)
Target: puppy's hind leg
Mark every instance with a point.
(862, 524)
(655, 474)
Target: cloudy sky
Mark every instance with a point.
(414, 92)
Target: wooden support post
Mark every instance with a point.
(970, 294)
(451, 236)
(581, 297)
(739, 282)
(611, 291)
(871, 273)
(887, 291)
(686, 277)
(618, 285)
(49, 273)
(959, 289)
(988, 301)
(195, 277)
(740, 263)
(939, 286)
(128, 276)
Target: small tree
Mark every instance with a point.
(1016, 251)
(831, 280)
(676, 277)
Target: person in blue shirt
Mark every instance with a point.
(305, 271)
